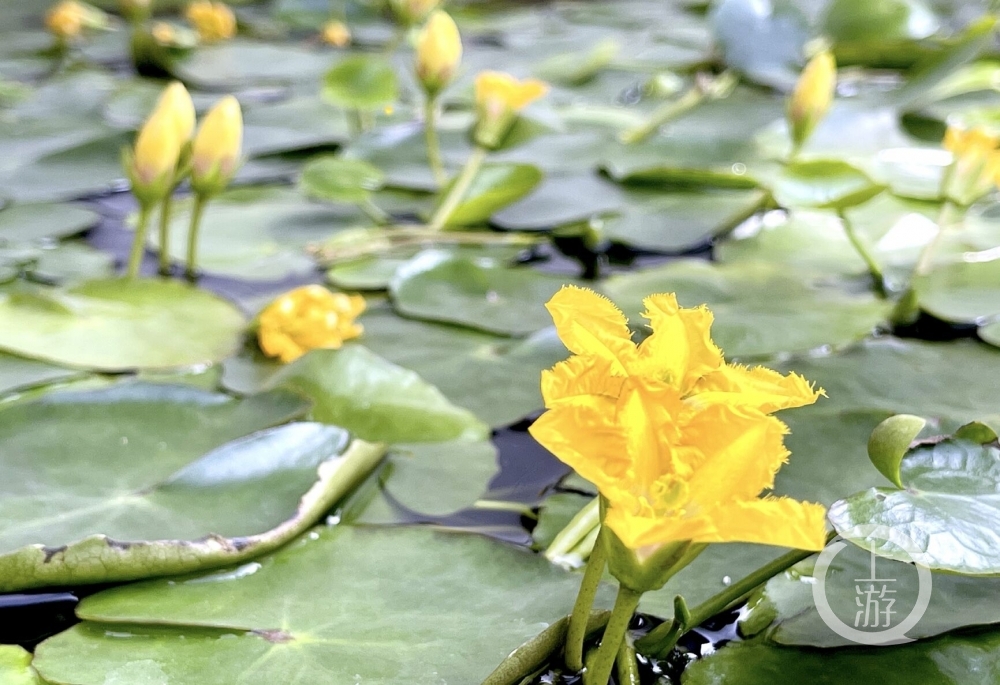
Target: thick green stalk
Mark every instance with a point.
(873, 268)
(539, 650)
(458, 189)
(433, 144)
(599, 668)
(139, 241)
(579, 527)
(628, 669)
(662, 639)
(166, 209)
(191, 267)
(577, 630)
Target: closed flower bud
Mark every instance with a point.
(308, 318)
(175, 101)
(336, 33)
(69, 18)
(411, 12)
(812, 96)
(439, 52)
(214, 21)
(152, 165)
(975, 167)
(216, 150)
(499, 99)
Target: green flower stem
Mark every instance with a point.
(662, 639)
(433, 144)
(586, 520)
(536, 652)
(374, 212)
(191, 267)
(577, 631)
(139, 241)
(628, 669)
(878, 279)
(458, 189)
(663, 114)
(599, 668)
(166, 209)
(926, 260)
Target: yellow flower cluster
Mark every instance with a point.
(214, 21)
(975, 169)
(308, 318)
(336, 33)
(679, 442)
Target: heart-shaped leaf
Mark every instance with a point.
(361, 82)
(495, 187)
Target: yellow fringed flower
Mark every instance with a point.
(812, 96)
(216, 150)
(679, 442)
(499, 99)
(336, 33)
(439, 52)
(214, 21)
(308, 318)
(975, 169)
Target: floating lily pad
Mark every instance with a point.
(496, 378)
(479, 293)
(117, 324)
(827, 184)
(878, 32)
(559, 201)
(149, 476)
(428, 481)
(92, 167)
(680, 161)
(760, 308)
(991, 333)
(947, 517)
(29, 223)
(955, 600)
(679, 221)
(245, 63)
(374, 398)
(339, 179)
(963, 292)
(15, 666)
(949, 660)
(361, 82)
(298, 612)
(71, 261)
(295, 124)
(17, 373)
(495, 187)
(764, 40)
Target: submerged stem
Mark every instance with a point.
(458, 189)
(662, 639)
(191, 267)
(577, 630)
(433, 144)
(599, 668)
(139, 241)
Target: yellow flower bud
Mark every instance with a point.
(308, 318)
(152, 165)
(164, 34)
(65, 20)
(411, 12)
(812, 96)
(439, 51)
(175, 101)
(499, 98)
(214, 21)
(216, 150)
(975, 167)
(336, 33)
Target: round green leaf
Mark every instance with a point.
(15, 666)
(991, 333)
(117, 324)
(878, 20)
(890, 441)
(374, 398)
(963, 292)
(760, 308)
(948, 509)
(339, 179)
(18, 373)
(827, 184)
(478, 293)
(37, 222)
(153, 484)
(495, 187)
(764, 40)
(561, 200)
(340, 606)
(361, 82)
(232, 64)
(495, 378)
